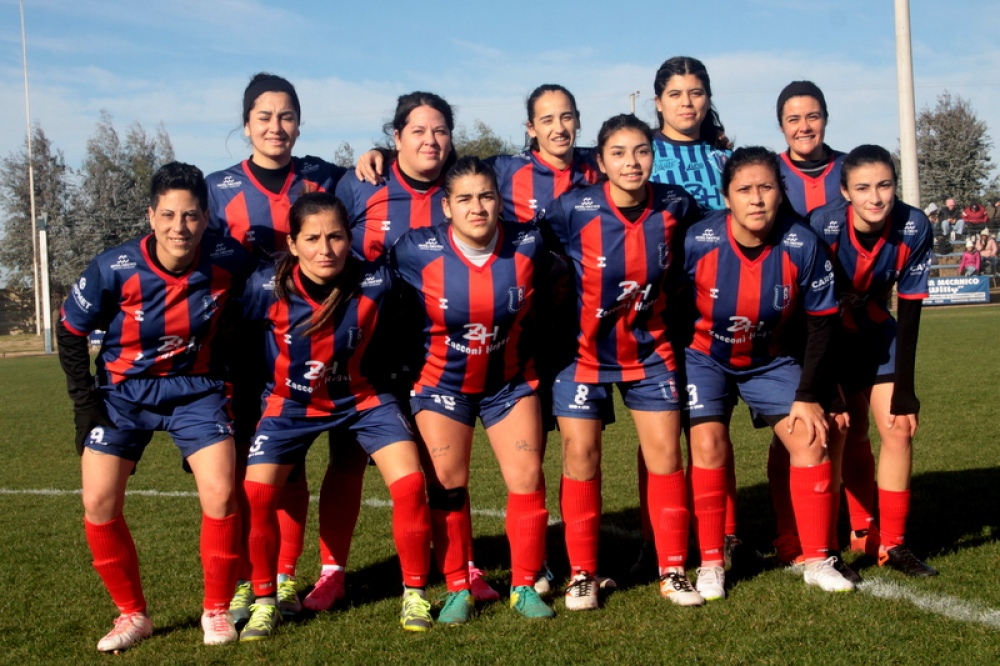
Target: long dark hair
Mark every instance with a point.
(349, 279)
(538, 92)
(712, 130)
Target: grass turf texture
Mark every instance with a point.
(53, 608)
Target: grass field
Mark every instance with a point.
(53, 608)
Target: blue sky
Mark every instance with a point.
(185, 63)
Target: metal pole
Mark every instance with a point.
(43, 251)
(907, 106)
(31, 178)
(631, 101)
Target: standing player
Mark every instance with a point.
(475, 287)
(250, 201)
(619, 237)
(160, 299)
(753, 270)
(322, 305)
(879, 242)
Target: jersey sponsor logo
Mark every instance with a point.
(524, 238)
(515, 299)
(317, 372)
(122, 262)
(743, 330)
(695, 166)
(633, 296)
(921, 267)
(309, 167)
(792, 240)
(431, 245)
(371, 280)
(174, 344)
(708, 236)
(586, 205)
(833, 227)
(482, 340)
(910, 228)
(713, 293)
(78, 298)
(783, 295)
(670, 163)
(221, 250)
(229, 183)
(823, 282)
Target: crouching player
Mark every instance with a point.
(160, 299)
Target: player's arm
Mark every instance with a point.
(88, 407)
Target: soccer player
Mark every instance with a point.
(160, 299)
(475, 287)
(321, 305)
(619, 237)
(880, 243)
(753, 272)
(250, 201)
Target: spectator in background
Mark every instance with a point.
(987, 248)
(975, 218)
(971, 261)
(951, 220)
(933, 214)
(995, 216)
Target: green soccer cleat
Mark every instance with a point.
(416, 613)
(457, 609)
(264, 619)
(526, 601)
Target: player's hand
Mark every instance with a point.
(812, 416)
(369, 167)
(905, 422)
(87, 415)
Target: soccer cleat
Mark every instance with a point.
(327, 591)
(581, 593)
(796, 566)
(219, 627)
(711, 583)
(129, 629)
(458, 608)
(481, 590)
(866, 541)
(240, 604)
(543, 579)
(526, 601)
(845, 570)
(645, 567)
(264, 619)
(739, 556)
(824, 574)
(675, 586)
(288, 597)
(605, 584)
(416, 612)
(902, 559)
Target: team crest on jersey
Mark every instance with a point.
(792, 240)
(355, 336)
(122, 262)
(782, 296)
(720, 159)
(221, 250)
(210, 306)
(229, 183)
(669, 391)
(431, 245)
(663, 254)
(515, 299)
(586, 205)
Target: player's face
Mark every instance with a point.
(474, 209)
(804, 127)
(178, 223)
(322, 246)
(683, 105)
(627, 159)
(424, 144)
(554, 125)
(753, 198)
(273, 127)
(871, 191)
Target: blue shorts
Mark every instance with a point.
(192, 409)
(769, 390)
(285, 440)
(491, 408)
(866, 359)
(594, 402)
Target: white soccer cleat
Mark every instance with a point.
(581, 593)
(130, 628)
(675, 586)
(824, 575)
(219, 627)
(711, 583)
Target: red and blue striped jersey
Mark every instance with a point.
(477, 319)
(805, 192)
(901, 257)
(156, 324)
(694, 165)
(528, 183)
(239, 206)
(380, 214)
(620, 272)
(744, 307)
(323, 372)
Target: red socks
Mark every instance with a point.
(264, 538)
(893, 509)
(220, 559)
(670, 518)
(293, 511)
(709, 489)
(645, 524)
(526, 521)
(411, 528)
(858, 474)
(810, 490)
(580, 503)
(117, 563)
(339, 507)
(778, 464)
(731, 492)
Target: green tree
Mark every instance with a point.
(344, 155)
(481, 142)
(953, 153)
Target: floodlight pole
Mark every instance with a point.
(31, 179)
(907, 106)
(631, 101)
(43, 251)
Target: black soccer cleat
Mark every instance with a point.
(902, 559)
